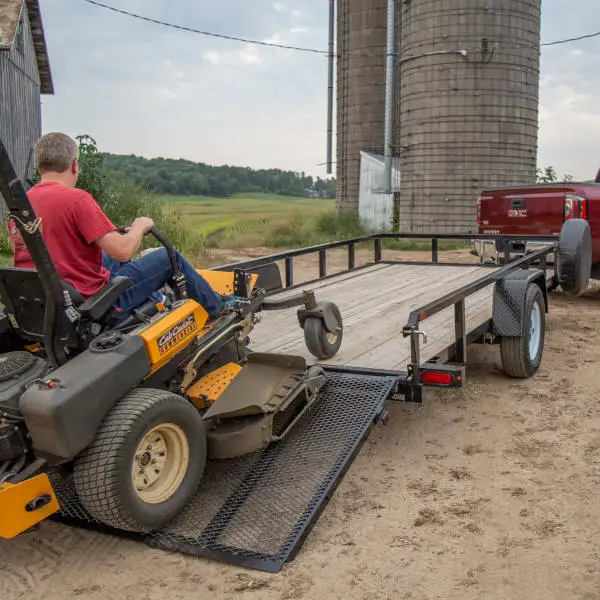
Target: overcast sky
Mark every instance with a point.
(144, 89)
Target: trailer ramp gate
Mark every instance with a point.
(256, 511)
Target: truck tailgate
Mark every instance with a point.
(522, 211)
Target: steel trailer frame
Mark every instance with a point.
(410, 390)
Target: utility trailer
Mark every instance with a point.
(406, 326)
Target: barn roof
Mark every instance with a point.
(10, 11)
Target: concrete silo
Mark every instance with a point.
(361, 40)
(469, 87)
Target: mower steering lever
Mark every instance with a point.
(178, 280)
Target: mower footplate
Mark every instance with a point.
(261, 404)
(24, 505)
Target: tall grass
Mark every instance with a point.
(302, 230)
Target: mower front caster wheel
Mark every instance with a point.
(145, 463)
(321, 342)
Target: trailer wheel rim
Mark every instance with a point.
(332, 337)
(160, 463)
(535, 331)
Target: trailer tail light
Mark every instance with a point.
(442, 375)
(575, 207)
(433, 378)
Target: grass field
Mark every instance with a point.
(250, 219)
(210, 215)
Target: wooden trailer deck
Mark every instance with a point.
(375, 303)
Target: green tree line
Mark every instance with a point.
(187, 178)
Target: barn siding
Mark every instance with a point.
(20, 105)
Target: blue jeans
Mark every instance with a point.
(149, 273)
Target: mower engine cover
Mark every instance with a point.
(17, 370)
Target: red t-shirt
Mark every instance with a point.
(71, 222)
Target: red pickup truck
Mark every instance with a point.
(540, 210)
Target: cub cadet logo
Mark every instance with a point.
(518, 213)
(176, 334)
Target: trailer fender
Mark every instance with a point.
(510, 293)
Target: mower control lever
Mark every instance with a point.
(178, 281)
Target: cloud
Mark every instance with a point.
(274, 39)
(165, 92)
(211, 56)
(249, 56)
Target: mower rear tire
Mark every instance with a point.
(320, 342)
(145, 463)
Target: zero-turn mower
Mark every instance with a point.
(132, 406)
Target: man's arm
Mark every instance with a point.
(96, 228)
(121, 247)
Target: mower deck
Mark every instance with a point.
(255, 511)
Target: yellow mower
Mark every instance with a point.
(133, 406)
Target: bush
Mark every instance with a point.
(5, 245)
(337, 227)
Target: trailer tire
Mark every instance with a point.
(574, 265)
(522, 355)
(171, 432)
(320, 342)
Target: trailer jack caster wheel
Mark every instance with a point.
(323, 335)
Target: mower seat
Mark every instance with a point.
(23, 295)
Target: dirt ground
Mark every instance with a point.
(488, 492)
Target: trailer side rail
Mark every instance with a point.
(377, 242)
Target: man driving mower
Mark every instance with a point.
(86, 248)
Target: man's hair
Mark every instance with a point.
(55, 152)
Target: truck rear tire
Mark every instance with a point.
(145, 463)
(522, 355)
(574, 257)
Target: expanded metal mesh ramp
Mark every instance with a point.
(256, 511)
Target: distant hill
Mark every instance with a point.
(187, 178)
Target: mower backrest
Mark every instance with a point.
(22, 294)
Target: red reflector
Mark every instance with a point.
(422, 316)
(434, 378)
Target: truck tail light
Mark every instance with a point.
(479, 211)
(575, 207)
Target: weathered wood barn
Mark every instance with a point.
(24, 76)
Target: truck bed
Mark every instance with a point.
(375, 303)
